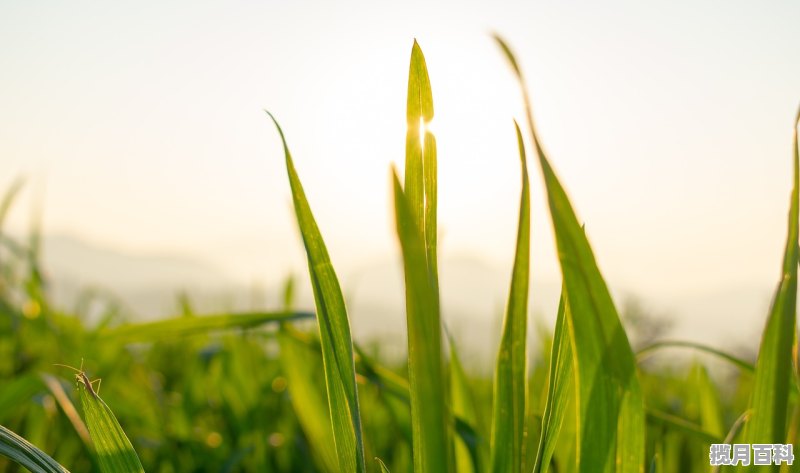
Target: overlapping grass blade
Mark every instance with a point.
(22, 452)
(334, 328)
(425, 366)
(415, 208)
(182, 326)
(113, 450)
(511, 372)
(769, 403)
(611, 426)
(558, 390)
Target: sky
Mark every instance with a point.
(140, 126)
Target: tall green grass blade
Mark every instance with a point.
(113, 450)
(184, 326)
(22, 452)
(429, 413)
(415, 206)
(558, 391)
(334, 328)
(611, 425)
(769, 402)
(511, 374)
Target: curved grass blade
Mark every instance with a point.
(677, 423)
(648, 351)
(383, 467)
(611, 420)
(334, 329)
(183, 326)
(511, 374)
(558, 390)
(113, 450)
(429, 414)
(769, 402)
(22, 452)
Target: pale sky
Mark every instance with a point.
(140, 126)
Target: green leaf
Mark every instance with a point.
(114, 451)
(511, 373)
(558, 390)
(334, 328)
(429, 414)
(20, 451)
(611, 420)
(415, 208)
(769, 402)
(182, 326)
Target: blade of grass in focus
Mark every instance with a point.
(334, 329)
(769, 402)
(425, 367)
(611, 420)
(415, 208)
(558, 391)
(511, 372)
(183, 326)
(113, 450)
(22, 452)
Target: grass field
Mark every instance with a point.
(289, 390)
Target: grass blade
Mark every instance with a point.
(611, 426)
(334, 328)
(20, 451)
(648, 351)
(511, 373)
(769, 402)
(183, 326)
(382, 466)
(558, 390)
(114, 451)
(429, 415)
(415, 207)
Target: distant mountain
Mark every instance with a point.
(473, 292)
